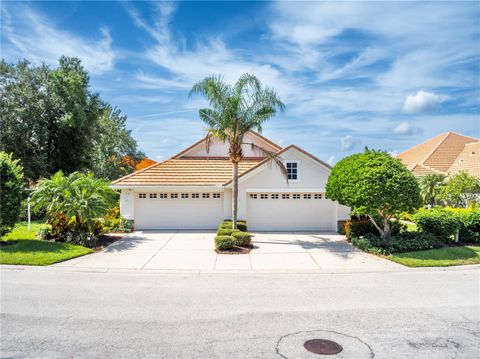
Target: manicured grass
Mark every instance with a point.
(28, 250)
(442, 257)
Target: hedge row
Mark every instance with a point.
(403, 242)
(227, 237)
(445, 222)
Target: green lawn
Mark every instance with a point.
(442, 257)
(28, 250)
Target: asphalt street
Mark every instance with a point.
(416, 314)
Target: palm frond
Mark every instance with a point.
(272, 157)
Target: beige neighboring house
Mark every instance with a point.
(193, 190)
(448, 153)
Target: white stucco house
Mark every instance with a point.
(193, 190)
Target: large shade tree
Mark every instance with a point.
(234, 111)
(374, 184)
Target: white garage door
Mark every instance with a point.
(178, 210)
(290, 212)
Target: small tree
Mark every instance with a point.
(430, 188)
(461, 190)
(11, 189)
(374, 184)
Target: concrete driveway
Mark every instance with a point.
(194, 251)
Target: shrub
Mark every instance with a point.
(242, 238)
(470, 226)
(356, 229)
(404, 242)
(241, 225)
(11, 190)
(82, 238)
(224, 242)
(437, 221)
(45, 233)
(226, 232)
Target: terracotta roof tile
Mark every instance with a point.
(468, 160)
(438, 153)
(186, 172)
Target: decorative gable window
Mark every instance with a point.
(292, 170)
(153, 195)
(142, 195)
(216, 195)
(195, 195)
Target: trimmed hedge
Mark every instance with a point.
(226, 232)
(439, 222)
(470, 226)
(404, 242)
(241, 225)
(242, 238)
(359, 228)
(224, 242)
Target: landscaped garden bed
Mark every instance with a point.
(233, 241)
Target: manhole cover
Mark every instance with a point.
(322, 346)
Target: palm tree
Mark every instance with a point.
(430, 187)
(80, 197)
(234, 111)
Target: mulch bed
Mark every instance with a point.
(236, 250)
(107, 239)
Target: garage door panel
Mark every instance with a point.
(178, 213)
(291, 214)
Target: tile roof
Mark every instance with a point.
(186, 172)
(437, 154)
(468, 160)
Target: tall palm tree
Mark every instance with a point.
(430, 187)
(234, 111)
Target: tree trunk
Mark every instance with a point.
(234, 194)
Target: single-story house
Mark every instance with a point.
(447, 153)
(193, 190)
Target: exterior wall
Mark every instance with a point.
(227, 204)
(220, 149)
(127, 204)
(312, 177)
(343, 212)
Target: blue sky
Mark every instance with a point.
(352, 74)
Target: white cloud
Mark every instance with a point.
(32, 36)
(422, 101)
(403, 128)
(347, 143)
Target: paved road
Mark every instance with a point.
(58, 313)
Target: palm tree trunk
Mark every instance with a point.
(235, 194)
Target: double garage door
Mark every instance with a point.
(290, 212)
(178, 210)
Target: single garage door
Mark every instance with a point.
(290, 212)
(178, 210)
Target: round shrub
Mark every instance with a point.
(224, 242)
(355, 229)
(439, 222)
(242, 238)
(241, 225)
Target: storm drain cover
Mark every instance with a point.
(322, 346)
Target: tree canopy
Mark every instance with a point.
(374, 184)
(51, 121)
(461, 190)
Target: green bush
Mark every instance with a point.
(404, 242)
(242, 238)
(241, 225)
(11, 191)
(224, 242)
(358, 228)
(226, 232)
(470, 226)
(439, 222)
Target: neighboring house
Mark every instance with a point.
(193, 190)
(447, 153)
